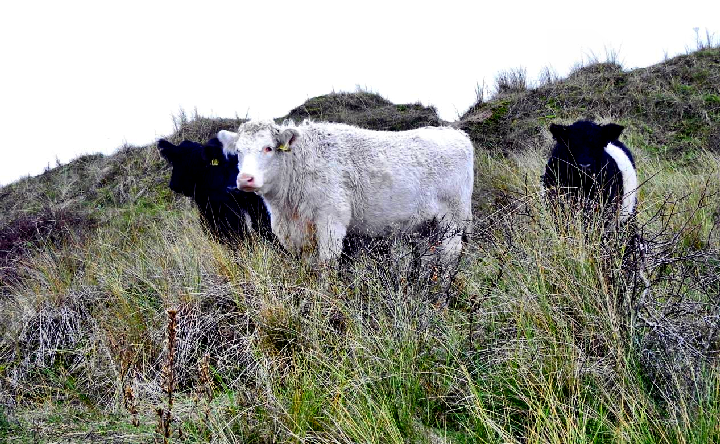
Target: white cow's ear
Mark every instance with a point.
(287, 138)
(228, 139)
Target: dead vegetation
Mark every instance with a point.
(20, 236)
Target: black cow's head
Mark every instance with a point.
(200, 170)
(582, 144)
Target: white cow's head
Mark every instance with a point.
(260, 147)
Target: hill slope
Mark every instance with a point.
(675, 105)
(554, 330)
(366, 110)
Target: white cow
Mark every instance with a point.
(322, 181)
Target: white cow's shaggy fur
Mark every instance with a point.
(324, 180)
(629, 179)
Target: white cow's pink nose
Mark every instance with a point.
(245, 181)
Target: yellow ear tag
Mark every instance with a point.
(214, 162)
(283, 147)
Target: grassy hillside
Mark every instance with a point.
(674, 105)
(553, 330)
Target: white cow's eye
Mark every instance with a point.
(267, 149)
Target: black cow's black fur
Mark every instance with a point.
(580, 167)
(206, 174)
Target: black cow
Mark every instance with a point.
(208, 175)
(588, 161)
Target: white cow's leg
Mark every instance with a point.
(450, 248)
(330, 235)
(451, 233)
(448, 229)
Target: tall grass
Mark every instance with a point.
(558, 326)
(549, 332)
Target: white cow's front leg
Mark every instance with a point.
(330, 235)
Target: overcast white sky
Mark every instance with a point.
(85, 77)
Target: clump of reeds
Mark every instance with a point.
(204, 389)
(131, 405)
(164, 428)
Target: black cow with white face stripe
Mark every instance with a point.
(589, 161)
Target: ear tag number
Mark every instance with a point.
(214, 162)
(283, 147)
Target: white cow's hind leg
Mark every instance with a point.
(452, 227)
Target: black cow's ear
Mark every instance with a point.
(162, 144)
(214, 142)
(559, 132)
(211, 154)
(212, 151)
(167, 149)
(611, 132)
